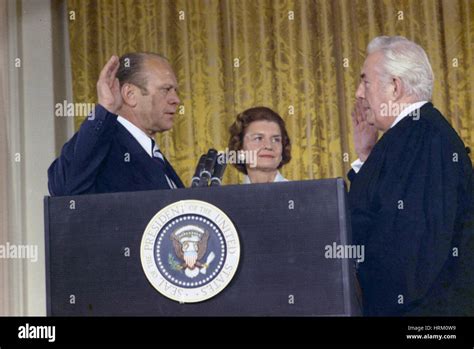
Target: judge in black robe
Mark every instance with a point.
(411, 204)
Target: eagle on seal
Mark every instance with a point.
(190, 246)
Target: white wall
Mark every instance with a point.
(38, 36)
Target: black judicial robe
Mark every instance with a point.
(411, 207)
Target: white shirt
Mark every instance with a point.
(356, 165)
(139, 135)
(278, 178)
(144, 140)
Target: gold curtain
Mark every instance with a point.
(301, 58)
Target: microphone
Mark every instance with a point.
(197, 173)
(219, 169)
(209, 163)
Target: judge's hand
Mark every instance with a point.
(365, 135)
(108, 86)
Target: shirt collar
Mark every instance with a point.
(407, 111)
(278, 178)
(138, 134)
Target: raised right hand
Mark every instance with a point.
(108, 86)
(365, 134)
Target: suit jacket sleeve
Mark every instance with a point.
(75, 170)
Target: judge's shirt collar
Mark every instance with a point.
(407, 111)
(138, 134)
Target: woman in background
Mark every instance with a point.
(261, 140)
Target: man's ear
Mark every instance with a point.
(397, 86)
(129, 93)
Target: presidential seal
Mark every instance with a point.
(190, 251)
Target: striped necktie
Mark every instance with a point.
(158, 156)
(156, 153)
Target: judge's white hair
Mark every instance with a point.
(408, 61)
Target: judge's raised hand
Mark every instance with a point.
(108, 86)
(365, 135)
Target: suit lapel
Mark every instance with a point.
(172, 174)
(145, 165)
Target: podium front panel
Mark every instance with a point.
(93, 252)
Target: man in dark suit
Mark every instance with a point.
(114, 150)
(411, 196)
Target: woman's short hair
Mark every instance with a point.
(244, 119)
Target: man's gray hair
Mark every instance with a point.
(408, 61)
